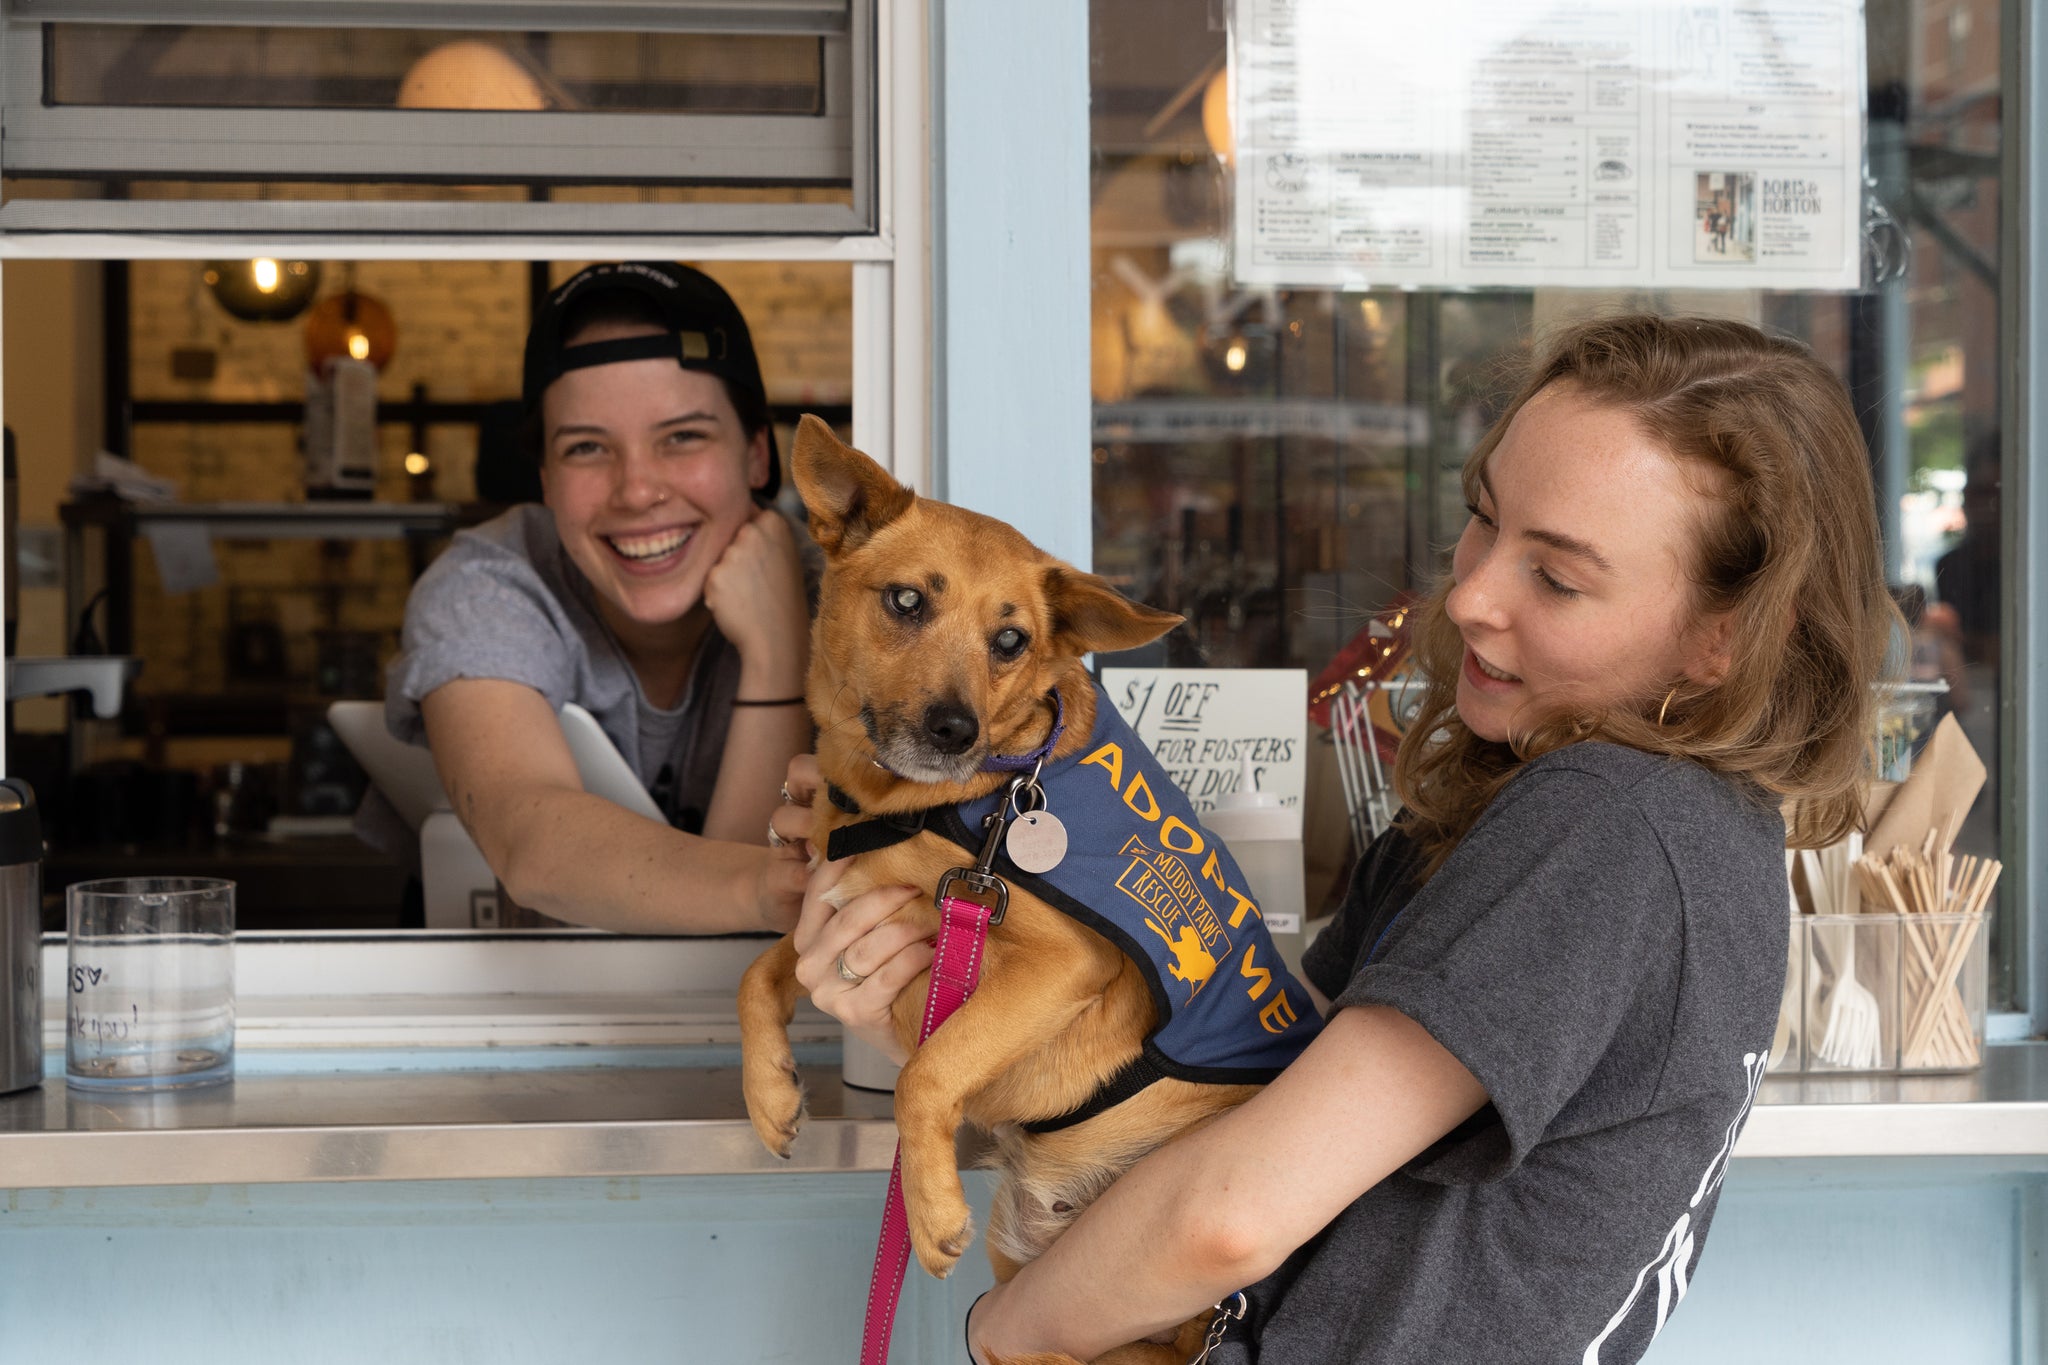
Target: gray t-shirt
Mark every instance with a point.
(506, 601)
(1604, 952)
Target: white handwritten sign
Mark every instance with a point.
(1202, 723)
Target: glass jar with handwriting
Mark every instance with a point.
(150, 989)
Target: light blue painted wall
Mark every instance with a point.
(1809, 1263)
(1864, 1263)
(1011, 303)
(485, 1272)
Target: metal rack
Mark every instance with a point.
(118, 522)
(1368, 778)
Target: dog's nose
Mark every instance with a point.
(950, 728)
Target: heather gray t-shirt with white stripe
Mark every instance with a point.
(1604, 952)
(506, 601)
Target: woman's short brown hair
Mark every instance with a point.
(1789, 552)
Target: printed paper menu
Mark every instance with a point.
(1654, 143)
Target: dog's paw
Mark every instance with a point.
(775, 1101)
(846, 890)
(940, 1232)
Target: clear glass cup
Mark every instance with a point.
(1942, 984)
(150, 988)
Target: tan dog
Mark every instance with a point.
(940, 633)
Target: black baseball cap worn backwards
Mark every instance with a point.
(706, 332)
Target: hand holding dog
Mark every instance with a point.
(789, 828)
(888, 958)
(887, 954)
(755, 593)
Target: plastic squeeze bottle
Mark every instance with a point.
(1265, 838)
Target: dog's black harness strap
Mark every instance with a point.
(1138, 1073)
(841, 799)
(866, 836)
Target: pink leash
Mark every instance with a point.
(956, 968)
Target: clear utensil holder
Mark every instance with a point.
(1851, 993)
(1788, 1043)
(1943, 982)
(1927, 981)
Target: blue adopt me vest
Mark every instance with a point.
(1142, 871)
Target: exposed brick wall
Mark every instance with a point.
(460, 327)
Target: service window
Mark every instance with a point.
(195, 199)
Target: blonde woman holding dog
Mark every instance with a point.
(1555, 979)
(656, 588)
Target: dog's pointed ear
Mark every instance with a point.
(1089, 616)
(849, 496)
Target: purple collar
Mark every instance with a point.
(1018, 763)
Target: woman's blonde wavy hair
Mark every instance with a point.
(1789, 550)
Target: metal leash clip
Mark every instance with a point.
(980, 885)
(1230, 1310)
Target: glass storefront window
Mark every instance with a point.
(1279, 465)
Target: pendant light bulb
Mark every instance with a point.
(265, 289)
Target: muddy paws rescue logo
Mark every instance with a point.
(1176, 910)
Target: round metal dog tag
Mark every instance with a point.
(1036, 842)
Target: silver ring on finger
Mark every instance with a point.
(775, 840)
(787, 799)
(848, 974)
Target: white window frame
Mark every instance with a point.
(606, 976)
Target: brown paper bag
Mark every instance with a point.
(1943, 785)
(1876, 797)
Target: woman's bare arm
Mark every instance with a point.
(759, 743)
(562, 851)
(1222, 1207)
(756, 594)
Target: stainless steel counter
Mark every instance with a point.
(597, 1121)
(605, 1121)
(1999, 1110)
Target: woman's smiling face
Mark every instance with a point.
(1571, 578)
(649, 473)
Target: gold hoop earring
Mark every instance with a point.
(1668, 696)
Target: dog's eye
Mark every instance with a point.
(1009, 642)
(903, 601)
